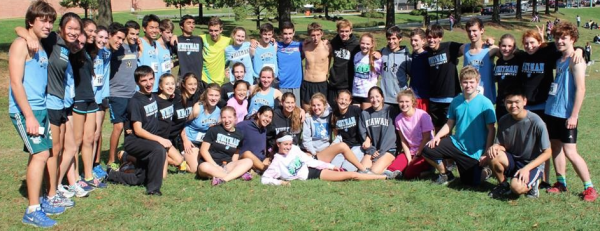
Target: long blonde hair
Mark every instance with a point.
(296, 115)
(371, 51)
(259, 86)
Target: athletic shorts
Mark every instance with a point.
(515, 165)
(423, 104)
(332, 94)
(468, 168)
(557, 130)
(33, 144)
(57, 117)
(308, 89)
(314, 173)
(439, 113)
(85, 107)
(359, 100)
(104, 105)
(118, 109)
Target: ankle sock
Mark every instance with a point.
(587, 184)
(32, 208)
(562, 180)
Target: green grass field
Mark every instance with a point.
(190, 204)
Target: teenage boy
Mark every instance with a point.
(142, 143)
(188, 48)
(164, 46)
(28, 73)
(473, 115)
(122, 86)
(317, 53)
(214, 52)
(480, 55)
(341, 75)
(562, 109)
(419, 68)
(148, 47)
(396, 64)
(289, 59)
(520, 148)
(444, 84)
(264, 51)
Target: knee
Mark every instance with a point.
(518, 187)
(41, 156)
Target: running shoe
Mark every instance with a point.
(389, 175)
(589, 194)
(247, 176)
(217, 181)
(79, 191)
(96, 183)
(38, 219)
(99, 173)
(63, 190)
(445, 179)
(534, 192)
(60, 201)
(85, 186)
(557, 188)
(501, 190)
(49, 209)
(183, 167)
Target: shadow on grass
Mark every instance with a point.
(23, 188)
(4, 47)
(483, 187)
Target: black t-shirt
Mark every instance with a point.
(281, 123)
(58, 59)
(189, 52)
(165, 116)
(347, 125)
(223, 144)
(537, 73)
(181, 112)
(341, 74)
(443, 76)
(83, 72)
(505, 74)
(143, 108)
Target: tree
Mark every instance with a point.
(85, 4)
(390, 14)
(284, 12)
(519, 14)
(547, 8)
(534, 8)
(337, 5)
(182, 3)
(457, 12)
(555, 6)
(496, 12)
(240, 7)
(104, 13)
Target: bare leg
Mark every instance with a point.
(329, 175)
(114, 142)
(192, 160)
(97, 149)
(35, 175)
(330, 152)
(209, 170)
(306, 106)
(175, 158)
(58, 133)
(257, 164)
(84, 126)
(498, 165)
(560, 161)
(579, 164)
(382, 163)
(439, 167)
(68, 158)
(367, 162)
(237, 168)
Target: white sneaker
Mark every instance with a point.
(65, 191)
(78, 191)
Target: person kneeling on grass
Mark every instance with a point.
(291, 163)
(522, 145)
(220, 151)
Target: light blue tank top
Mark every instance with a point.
(35, 80)
(260, 100)
(100, 82)
(149, 58)
(561, 97)
(164, 59)
(196, 128)
(239, 54)
(485, 66)
(264, 57)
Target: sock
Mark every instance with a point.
(89, 179)
(50, 197)
(562, 180)
(587, 184)
(32, 208)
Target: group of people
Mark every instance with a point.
(239, 108)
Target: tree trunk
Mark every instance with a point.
(547, 8)
(534, 8)
(257, 11)
(457, 13)
(555, 6)
(284, 11)
(390, 14)
(105, 17)
(496, 13)
(200, 14)
(326, 7)
(519, 14)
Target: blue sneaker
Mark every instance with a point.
(49, 209)
(96, 183)
(98, 172)
(38, 219)
(85, 186)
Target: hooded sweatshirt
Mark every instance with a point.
(316, 132)
(394, 72)
(291, 166)
(379, 126)
(341, 74)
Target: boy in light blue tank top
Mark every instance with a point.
(149, 47)
(164, 47)
(480, 55)
(27, 108)
(264, 52)
(562, 107)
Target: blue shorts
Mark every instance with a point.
(515, 165)
(118, 109)
(33, 144)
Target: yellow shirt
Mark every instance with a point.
(213, 69)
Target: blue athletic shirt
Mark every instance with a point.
(196, 129)
(561, 97)
(35, 80)
(150, 58)
(260, 100)
(485, 65)
(239, 54)
(471, 120)
(101, 79)
(164, 60)
(289, 59)
(264, 57)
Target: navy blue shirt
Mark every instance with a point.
(255, 138)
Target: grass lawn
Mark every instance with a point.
(190, 204)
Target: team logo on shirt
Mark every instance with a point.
(188, 48)
(266, 57)
(295, 166)
(346, 123)
(504, 71)
(394, 67)
(376, 122)
(167, 113)
(362, 71)
(321, 130)
(342, 54)
(476, 63)
(64, 54)
(183, 113)
(533, 68)
(289, 50)
(151, 109)
(43, 61)
(240, 54)
(437, 60)
(228, 141)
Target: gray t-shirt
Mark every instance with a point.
(379, 126)
(525, 139)
(122, 66)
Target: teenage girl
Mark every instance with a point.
(205, 115)
(344, 122)
(220, 152)
(101, 55)
(254, 144)
(366, 70)
(166, 89)
(287, 117)
(239, 70)
(507, 68)
(239, 52)
(415, 129)
(263, 93)
(291, 163)
(183, 103)
(239, 101)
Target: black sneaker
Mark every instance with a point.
(445, 179)
(545, 185)
(501, 190)
(534, 192)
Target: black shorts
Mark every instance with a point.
(118, 109)
(104, 105)
(557, 130)
(438, 113)
(516, 165)
(308, 89)
(359, 100)
(57, 117)
(314, 173)
(85, 107)
(468, 168)
(332, 94)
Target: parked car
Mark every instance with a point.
(506, 8)
(487, 11)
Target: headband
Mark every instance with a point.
(285, 138)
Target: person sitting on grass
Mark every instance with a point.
(521, 147)
(254, 144)
(291, 163)
(220, 153)
(473, 115)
